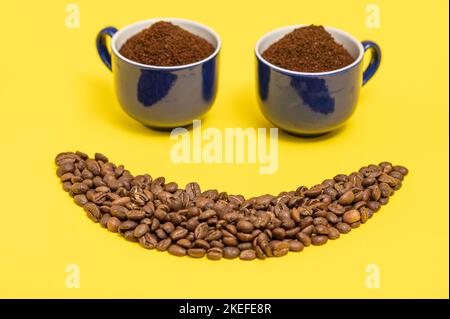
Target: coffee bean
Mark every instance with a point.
(140, 230)
(248, 254)
(179, 233)
(80, 200)
(280, 248)
(187, 221)
(79, 188)
(129, 235)
(279, 233)
(305, 239)
(119, 212)
(184, 242)
(163, 244)
(93, 212)
(231, 252)
(244, 226)
(113, 224)
(201, 231)
(333, 233)
(343, 228)
(196, 252)
(148, 241)
(295, 245)
(321, 229)
(351, 216)
(347, 198)
(128, 225)
(214, 253)
(319, 240)
(176, 250)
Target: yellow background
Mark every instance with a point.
(56, 95)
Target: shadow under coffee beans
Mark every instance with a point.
(187, 221)
(165, 44)
(308, 49)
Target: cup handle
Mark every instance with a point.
(103, 51)
(375, 60)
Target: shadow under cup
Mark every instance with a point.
(161, 97)
(312, 104)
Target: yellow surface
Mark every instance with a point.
(56, 95)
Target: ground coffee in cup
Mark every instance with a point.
(165, 44)
(308, 49)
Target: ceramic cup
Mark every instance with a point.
(312, 103)
(161, 97)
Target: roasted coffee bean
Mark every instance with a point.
(230, 241)
(333, 233)
(184, 242)
(346, 198)
(305, 239)
(80, 200)
(93, 212)
(104, 219)
(319, 240)
(79, 188)
(187, 221)
(176, 250)
(248, 254)
(295, 245)
(351, 216)
(179, 233)
(244, 237)
(129, 235)
(280, 248)
(136, 215)
(163, 244)
(140, 230)
(196, 252)
(244, 226)
(200, 243)
(343, 228)
(321, 229)
(374, 206)
(168, 227)
(119, 212)
(214, 253)
(201, 231)
(231, 252)
(113, 224)
(128, 225)
(279, 233)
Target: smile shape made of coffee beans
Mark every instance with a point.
(187, 221)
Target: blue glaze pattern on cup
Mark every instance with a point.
(312, 103)
(158, 96)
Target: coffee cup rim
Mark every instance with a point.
(291, 28)
(149, 22)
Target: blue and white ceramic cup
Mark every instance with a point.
(161, 97)
(312, 103)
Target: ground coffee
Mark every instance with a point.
(165, 44)
(187, 221)
(308, 49)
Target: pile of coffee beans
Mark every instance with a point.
(188, 221)
(308, 49)
(165, 44)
